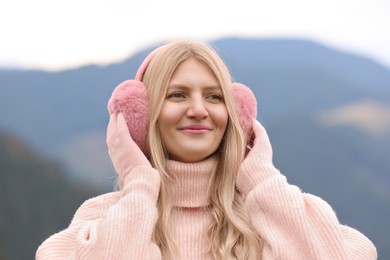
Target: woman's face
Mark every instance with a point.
(193, 118)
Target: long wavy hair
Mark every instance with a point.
(230, 233)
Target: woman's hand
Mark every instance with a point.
(124, 152)
(261, 143)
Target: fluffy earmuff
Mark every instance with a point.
(130, 98)
(246, 105)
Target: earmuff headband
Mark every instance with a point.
(144, 65)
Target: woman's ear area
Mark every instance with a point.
(130, 98)
(246, 105)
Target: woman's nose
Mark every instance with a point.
(197, 109)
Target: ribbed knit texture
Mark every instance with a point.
(192, 182)
(120, 225)
(190, 214)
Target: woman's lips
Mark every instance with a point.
(195, 129)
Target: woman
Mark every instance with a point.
(195, 192)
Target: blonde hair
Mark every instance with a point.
(231, 234)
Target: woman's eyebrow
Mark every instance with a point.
(178, 86)
(213, 87)
(183, 86)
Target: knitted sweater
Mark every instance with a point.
(120, 225)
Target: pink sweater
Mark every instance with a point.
(120, 225)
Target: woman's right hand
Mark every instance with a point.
(124, 152)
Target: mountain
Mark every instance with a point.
(300, 77)
(36, 200)
(326, 111)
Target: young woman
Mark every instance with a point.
(195, 191)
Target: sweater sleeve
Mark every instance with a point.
(293, 224)
(117, 225)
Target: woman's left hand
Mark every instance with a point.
(261, 143)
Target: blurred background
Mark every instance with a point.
(320, 71)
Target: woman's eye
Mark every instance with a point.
(176, 95)
(214, 98)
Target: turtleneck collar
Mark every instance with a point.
(192, 182)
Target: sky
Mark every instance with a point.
(61, 34)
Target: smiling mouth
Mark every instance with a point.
(195, 129)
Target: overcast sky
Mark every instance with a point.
(59, 34)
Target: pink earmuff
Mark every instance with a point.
(130, 98)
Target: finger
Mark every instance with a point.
(261, 138)
(258, 129)
(111, 128)
(121, 119)
(123, 130)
